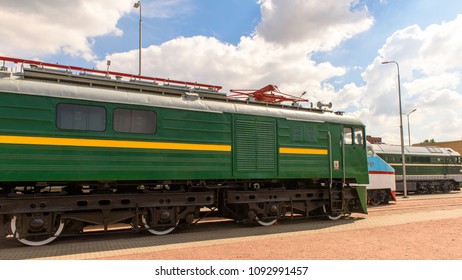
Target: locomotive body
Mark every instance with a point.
(84, 149)
(428, 169)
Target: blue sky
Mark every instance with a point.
(330, 48)
(390, 15)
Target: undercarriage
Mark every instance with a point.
(37, 215)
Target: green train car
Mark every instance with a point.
(429, 169)
(85, 147)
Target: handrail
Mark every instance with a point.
(131, 76)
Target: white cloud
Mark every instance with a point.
(252, 64)
(278, 52)
(269, 56)
(430, 69)
(418, 86)
(319, 25)
(46, 27)
(263, 58)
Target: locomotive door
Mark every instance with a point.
(353, 141)
(336, 153)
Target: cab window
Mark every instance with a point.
(347, 136)
(359, 136)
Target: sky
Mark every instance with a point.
(332, 49)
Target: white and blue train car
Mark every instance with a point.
(382, 184)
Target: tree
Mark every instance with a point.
(429, 141)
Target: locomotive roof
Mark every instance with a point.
(68, 85)
(414, 150)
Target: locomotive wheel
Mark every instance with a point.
(270, 209)
(331, 217)
(158, 230)
(34, 240)
(376, 197)
(266, 222)
(375, 201)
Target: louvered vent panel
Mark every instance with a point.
(255, 145)
(266, 147)
(246, 154)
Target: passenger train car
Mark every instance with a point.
(83, 147)
(428, 169)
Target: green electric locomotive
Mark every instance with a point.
(85, 147)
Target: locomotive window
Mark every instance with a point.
(134, 121)
(347, 136)
(80, 117)
(359, 136)
(422, 159)
(370, 151)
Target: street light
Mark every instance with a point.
(408, 126)
(403, 158)
(138, 5)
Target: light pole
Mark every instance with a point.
(403, 157)
(409, 126)
(138, 5)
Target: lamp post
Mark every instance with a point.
(408, 125)
(403, 157)
(138, 5)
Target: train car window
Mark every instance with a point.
(80, 117)
(370, 151)
(134, 121)
(358, 136)
(347, 136)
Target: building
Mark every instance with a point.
(374, 140)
